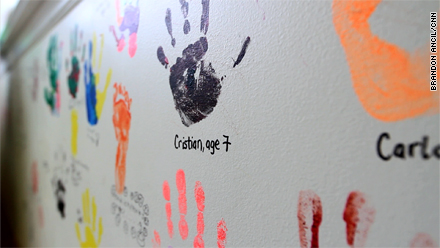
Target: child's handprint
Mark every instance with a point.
(358, 214)
(199, 195)
(193, 81)
(92, 238)
(73, 77)
(121, 122)
(94, 97)
(52, 95)
(129, 20)
(391, 83)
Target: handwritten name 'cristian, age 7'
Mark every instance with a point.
(190, 143)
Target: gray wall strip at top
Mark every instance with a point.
(30, 22)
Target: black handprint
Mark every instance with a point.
(193, 81)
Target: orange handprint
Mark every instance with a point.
(121, 122)
(199, 195)
(391, 83)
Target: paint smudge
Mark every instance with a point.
(242, 52)
(74, 137)
(52, 94)
(193, 81)
(121, 122)
(90, 214)
(170, 26)
(156, 240)
(221, 233)
(94, 97)
(200, 200)
(391, 83)
(60, 193)
(34, 173)
(359, 216)
(422, 240)
(166, 195)
(161, 56)
(309, 218)
(128, 20)
(181, 189)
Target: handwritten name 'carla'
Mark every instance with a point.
(402, 151)
(189, 143)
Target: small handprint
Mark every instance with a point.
(75, 48)
(193, 81)
(94, 97)
(391, 84)
(127, 20)
(52, 94)
(92, 236)
(359, 215)
(60, 179)
(121, 122)
(199, 195)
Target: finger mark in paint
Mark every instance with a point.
(359, 216)
(309, 218)
(170, 26)
(166, 195)
(242, 52)
(200, 201)
(156, 240)
(161, 56)
(181, 188)
(204, 22)
(221, 233)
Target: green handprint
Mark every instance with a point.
(51, 94)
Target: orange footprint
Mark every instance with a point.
(121, 121)
(391, 83)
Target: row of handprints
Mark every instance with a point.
(196, 103)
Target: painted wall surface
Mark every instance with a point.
(228, 123)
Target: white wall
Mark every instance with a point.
(301, 112)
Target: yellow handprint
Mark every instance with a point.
(90, 228)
